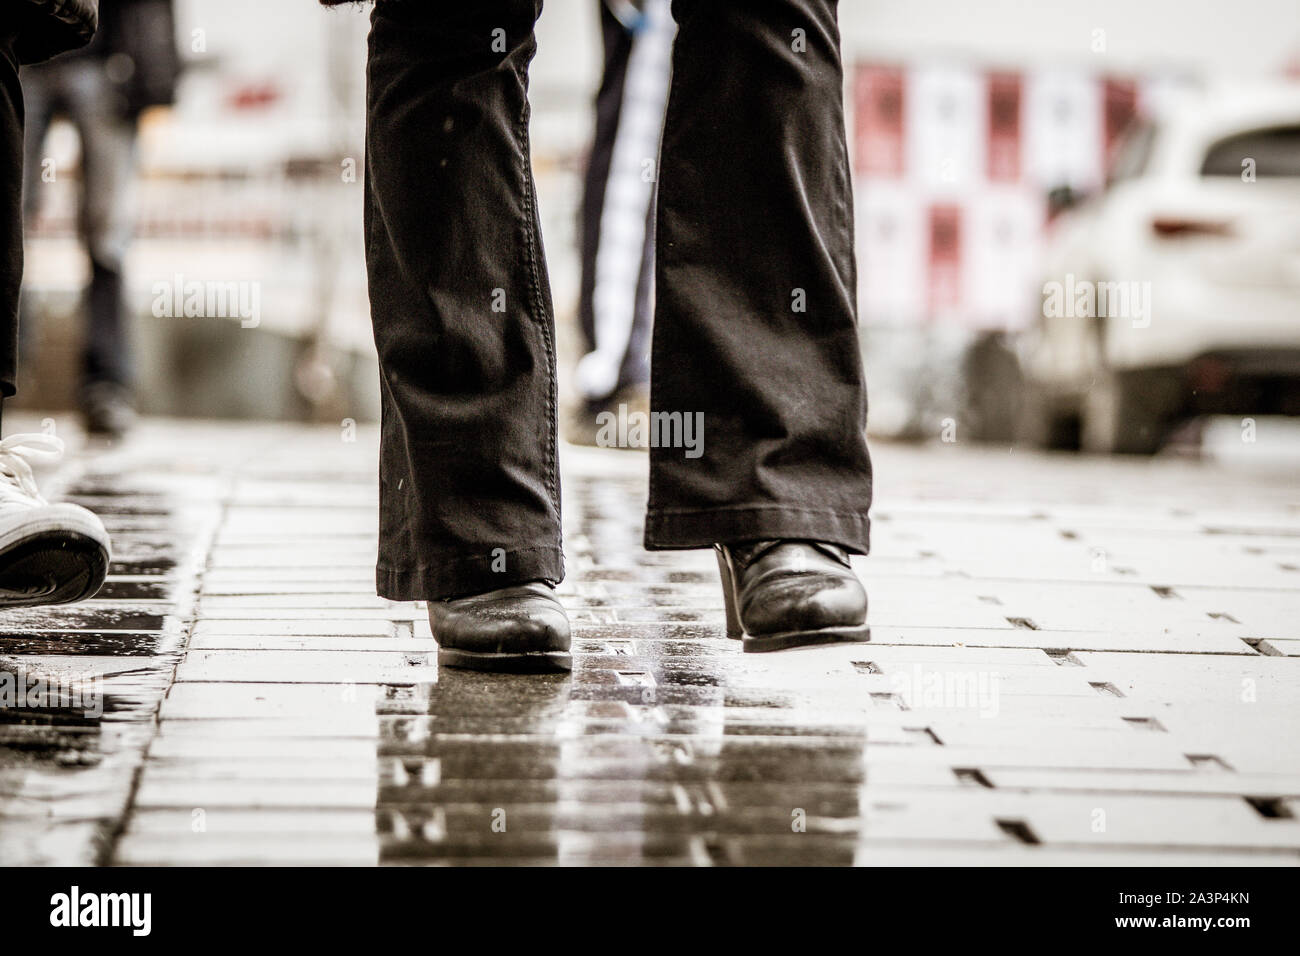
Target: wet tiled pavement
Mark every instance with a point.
(1073, 662)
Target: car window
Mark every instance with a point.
(1275, 151)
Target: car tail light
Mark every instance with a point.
(1210, 375)
(1179, 227)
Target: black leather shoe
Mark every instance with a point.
(520, 630)
(782, 594)
(107, 410)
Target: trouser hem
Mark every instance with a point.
(668, 530)
(473, 575)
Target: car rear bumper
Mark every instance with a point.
(1185, 324)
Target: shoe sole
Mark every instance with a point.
(73, 566)
(763, 643)
(530, 662)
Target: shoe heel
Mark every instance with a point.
(734, 630)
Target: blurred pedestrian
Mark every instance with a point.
(102, 89)
(49, 554)
(754, 344)
(616, 297)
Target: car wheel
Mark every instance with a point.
(1047, 419)
(1044, 425)
(1127, 413)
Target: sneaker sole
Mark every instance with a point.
(73, 566)
(532, 662)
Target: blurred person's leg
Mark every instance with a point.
(108, 166)
(461, 305)
(616, 298)
(40, 99)
(755, 322)
(616, 47)
(49, 553)
(11, 199)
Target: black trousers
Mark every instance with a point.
(755, 321)
(11, 207)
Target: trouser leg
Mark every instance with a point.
(756, 324)
(108, 200)
(40, 95)
(469, 489)
(616, 46)
(618, 231)
(11, 209)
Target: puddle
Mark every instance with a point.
(97, 643)
(579, 769)
(84, 617)
(45, 721)
(134, 590)
(79, 684)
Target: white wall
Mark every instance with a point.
(1241, 37)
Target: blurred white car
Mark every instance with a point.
(1175, 291)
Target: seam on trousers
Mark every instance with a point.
(539, 307)
(671, 107)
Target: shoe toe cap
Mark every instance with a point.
(527, 626)
(806, 602)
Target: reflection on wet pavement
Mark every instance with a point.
(85, 681)
(643, 755)
(1051, 640)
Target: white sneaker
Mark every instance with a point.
(49, 554)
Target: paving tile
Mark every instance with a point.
(245, 850)
(24, 842)
(323, 702)
(193, 748)
(1193, 638)
(886, 853)
(194, 793)
(290, 599)
(307, 667)
(1185, 781)
(349, 643)
(313, 626)
(323, 772)
(350, 723)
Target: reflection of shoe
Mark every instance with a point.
(49, 553)
(107, 410)
(521, 629)
(596, 423)
(781, 594)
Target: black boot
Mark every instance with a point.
(521, 629)
(783, 594)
